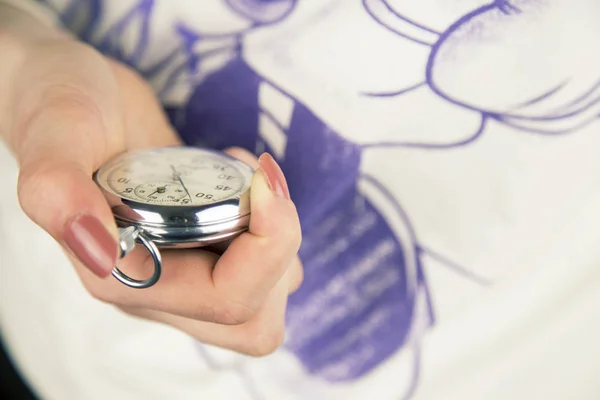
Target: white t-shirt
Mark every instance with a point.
(443, 155)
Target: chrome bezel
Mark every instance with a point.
(180, 225)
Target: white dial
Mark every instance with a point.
(175, 176)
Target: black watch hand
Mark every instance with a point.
(178, 177)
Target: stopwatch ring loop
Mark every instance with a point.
(145, 283)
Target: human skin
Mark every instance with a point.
(64, 110)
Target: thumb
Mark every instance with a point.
(60, 138)
(62, 199)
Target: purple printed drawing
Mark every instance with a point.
(567, 102)
(182, 64)
(362, 259)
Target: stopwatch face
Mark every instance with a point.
(175, 176)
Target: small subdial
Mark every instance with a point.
(161, 192)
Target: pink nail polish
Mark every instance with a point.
(274, 175)
(92, 244)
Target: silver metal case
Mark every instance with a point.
(175, 215)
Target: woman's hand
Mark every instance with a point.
(64, 110)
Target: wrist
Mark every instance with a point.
(34, 9)
(22, 31)
(27, 21)
(23, 26)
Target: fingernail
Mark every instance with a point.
(92, 244)
(275, 177)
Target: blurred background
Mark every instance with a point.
(12, 387)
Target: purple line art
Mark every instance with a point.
(554, 109)
(365, 297)
(181, 65)
(383, 13)
(360, 253)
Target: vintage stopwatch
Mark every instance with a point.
(175, 197)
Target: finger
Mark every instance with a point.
(70, 119)
(296, 269)
(296, 275)
(229, 289)
(257, 259)
(67, 122)
(194, 267)
(260, 336)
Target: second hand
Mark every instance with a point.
(176, 175)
